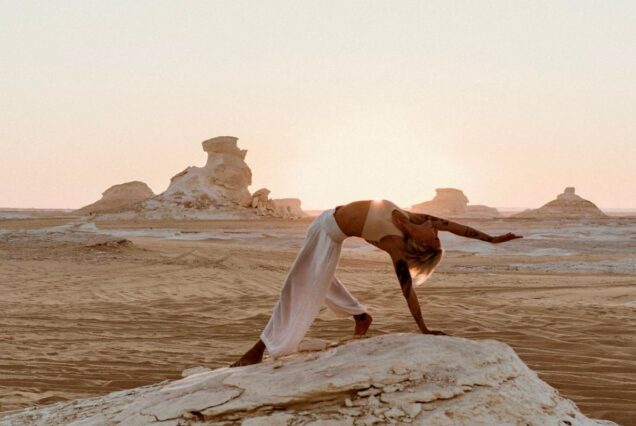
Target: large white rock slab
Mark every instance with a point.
(397, 378)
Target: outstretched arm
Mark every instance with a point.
(458, 229)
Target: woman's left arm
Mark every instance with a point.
(394, 246)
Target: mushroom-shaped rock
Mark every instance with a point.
(223, 145)
(219, 186)
(218, 190)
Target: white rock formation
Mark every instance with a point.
(451, 202)
(259, 201)
(567, 205)
(288, 208)
(218, 190)
(399, 378)
(118, 197)
(219, 186)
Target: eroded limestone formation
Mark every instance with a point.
(395, 378)
(260, 200)
(217, 190)
(451, 202)
(567, 205)
(219, 185)
(288, 208)
(117, 198)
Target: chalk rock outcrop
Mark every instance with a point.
(118, 197)
(219, 185)
(288, 208)
(218, 190)
(451, 202)
(398, 378)
(260, 201)
(567, 205)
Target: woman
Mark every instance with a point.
(409, 238)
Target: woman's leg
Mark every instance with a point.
(304, 291)
(283, 329)
(343, 303)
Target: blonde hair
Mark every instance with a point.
(421, 260)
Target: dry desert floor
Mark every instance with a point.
(87, 307)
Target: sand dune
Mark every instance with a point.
(80, 319)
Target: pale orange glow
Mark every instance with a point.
(335, 101)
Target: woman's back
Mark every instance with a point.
(368, 219)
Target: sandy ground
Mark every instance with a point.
(81, 314)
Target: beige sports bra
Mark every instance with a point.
(379, 223)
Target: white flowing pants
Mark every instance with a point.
(310, 282)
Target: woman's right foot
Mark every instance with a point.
(363, 322)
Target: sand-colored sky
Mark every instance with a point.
(335, 101)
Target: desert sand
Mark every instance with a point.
(92, 307)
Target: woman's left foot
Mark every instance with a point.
(253, 356)
(363, 322)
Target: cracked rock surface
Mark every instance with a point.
(390, 379)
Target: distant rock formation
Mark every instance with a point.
(260, 200)
(451, 202)
(390, 379)
(218, 190)
(288, 208)
(118, 197)
(567, 205)
(219, 185)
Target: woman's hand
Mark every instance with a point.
(503, 238)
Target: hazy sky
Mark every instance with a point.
(335, 101)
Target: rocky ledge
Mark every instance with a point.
(390, 379)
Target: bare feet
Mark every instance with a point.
(363, 322)
(253, 356)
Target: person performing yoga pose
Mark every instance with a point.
(409, 238)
